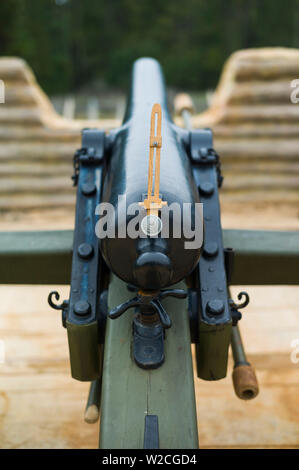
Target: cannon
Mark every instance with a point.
(148, 213)
(109, 169)
(129, 330)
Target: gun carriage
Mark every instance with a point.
(136, 304)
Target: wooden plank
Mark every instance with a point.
(31, 151)
(264, 257)
(258, 198)
(28, 116)
(129, 392)
(37, 258)
(254, 167)
(271, 420)
(257, 91)
(37, 393)
(38, 185)
(26, 169)
(260, 113)
(242, 148)
(15, 203)
(39, 134)
(245, 182)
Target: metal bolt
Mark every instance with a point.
(91, 151)
(206, 188)
(85, 250)
(82, 307)
(88, 189)
(215, 307)
(203, 152)
(210, 249)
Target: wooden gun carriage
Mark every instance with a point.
(147, 399)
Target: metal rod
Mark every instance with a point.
(244, 378)
(239, 354)
(92, 410)
(187, 118)
(183, 106)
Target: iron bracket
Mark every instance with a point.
(84, 315)
(214, 314)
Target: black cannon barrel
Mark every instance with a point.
(127, 175)
(147, 87)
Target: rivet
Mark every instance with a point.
(210, 249)
(85, 250)
(91, 151)
(215, 307)
(88, 189)
(206, 188)
(82, 307)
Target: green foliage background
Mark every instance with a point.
(69, 43)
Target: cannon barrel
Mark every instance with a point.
(127, 176)
(147, 87)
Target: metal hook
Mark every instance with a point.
(246, 301)
(57, 297)
(242, 304)
(64, 306)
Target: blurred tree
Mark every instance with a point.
(70, 43)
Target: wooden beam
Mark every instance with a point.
(36, 257)
(261, 257)
(129, 393)
(264, 257)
